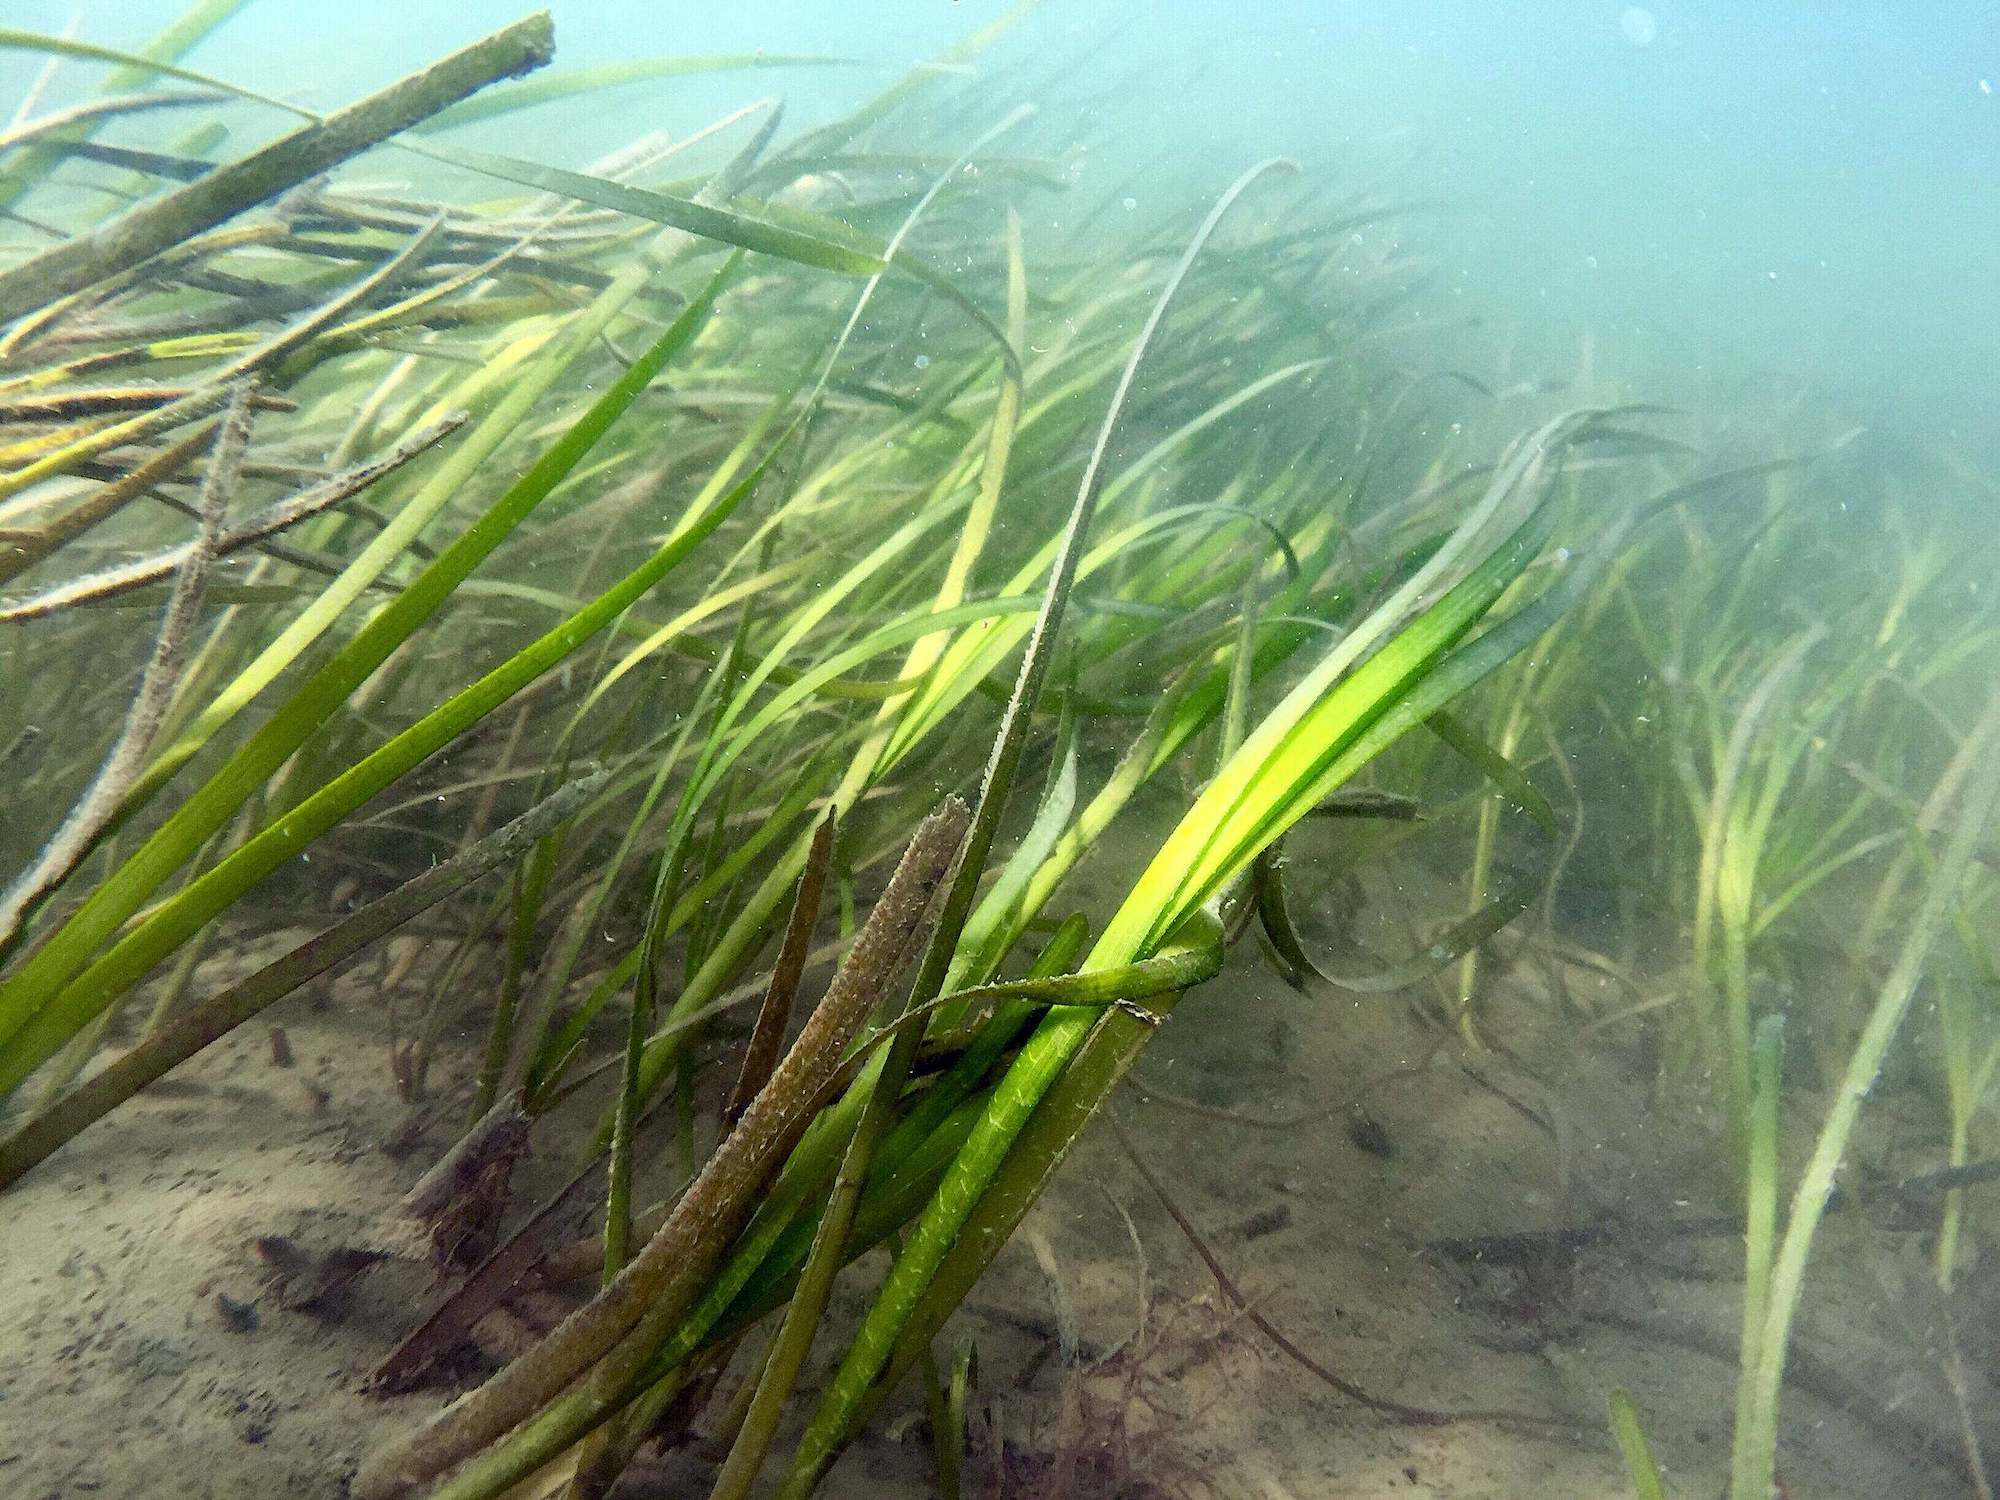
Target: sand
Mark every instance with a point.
(152, 1349)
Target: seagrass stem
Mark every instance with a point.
(149, 228)
(664, 1278)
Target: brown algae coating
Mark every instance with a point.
(666, 1277)
(144, 231)
(760, 1056)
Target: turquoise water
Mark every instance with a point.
(1775, 225)
(1706, 191)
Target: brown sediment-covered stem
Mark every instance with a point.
(286, 513)
(495, 1142)
(95, 810)
(665, 1277)
(146, 230)
(21, 550)
(760, 1056)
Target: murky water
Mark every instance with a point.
(1512, 734)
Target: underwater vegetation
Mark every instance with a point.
(728, 594)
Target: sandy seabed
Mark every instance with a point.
(151, 1348)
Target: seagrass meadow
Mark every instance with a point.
(865, 798)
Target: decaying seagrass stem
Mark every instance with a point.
(27, 131)
(248, 532)
(665, 1277)
(760, 1055)
(99, 803)
(470, 1180)
(209, 399)
(21, 550)
(144, 231)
